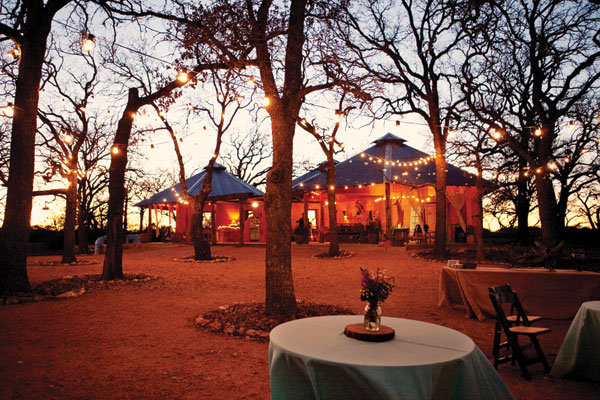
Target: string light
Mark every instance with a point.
(115, 150)
(337, 117)
(266, 101)
(380, 160)
(87, 43)
(496, 134)
(8, 110)
(183, 77)
(68, 139)
(14, 53)
(538, 132)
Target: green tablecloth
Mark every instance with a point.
(311, 358)
(579, 354)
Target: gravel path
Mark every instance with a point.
(139, 341)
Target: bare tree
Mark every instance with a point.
(246, 156)
(65, 129)
(28, 25)
(475, 149)
(411, 46)
(142, 185)
(326, 138)
(228, 104)
(276, 41)
(589, 206)
(526, 76)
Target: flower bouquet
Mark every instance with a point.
(374, 289)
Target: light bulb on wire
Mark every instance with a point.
(183, 77)
(87, 43)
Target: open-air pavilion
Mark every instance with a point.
(388, 186)
(233, 212)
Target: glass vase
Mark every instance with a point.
(372, 317)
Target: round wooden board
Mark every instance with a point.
(358, 331)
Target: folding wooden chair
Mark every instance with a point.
(518, 316)
(520, 327)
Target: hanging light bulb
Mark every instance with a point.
(115, 150)
(538, 132)
(338, 116)
(14, 53)
(183, 77)
(87, 43)
(68, 138)
(397, 123)
(496, 134)
(152, 146)
(571, 126)
(266, 101)
(8, 110)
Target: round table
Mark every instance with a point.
(311, 358)
(579, 353)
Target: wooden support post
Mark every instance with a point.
(214, 222)
(242, 222)
(388, 212)
(306, 216)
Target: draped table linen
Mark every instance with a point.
(311, 358)
(553, 295)
(579, 354)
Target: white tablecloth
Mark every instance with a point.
(579, 353)
(311, 358)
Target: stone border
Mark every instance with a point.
(215, 259)
(60, 264)
(88, 285)
(343, 254)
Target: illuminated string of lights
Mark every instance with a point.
(396, 162)
(88, 45)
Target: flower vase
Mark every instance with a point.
(372, 317)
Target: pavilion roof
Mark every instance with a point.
(370, 167)
(225, 186)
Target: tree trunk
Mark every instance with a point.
(125, 207)
(115, 236)
(479, 252)
(551, 228)
(82, 230)
(17, 212)
(388, 212)
(70, 218)
(201, 245)
(142, 209)
(280, 299)
(522, 205)
(334, 246)
(439, 246)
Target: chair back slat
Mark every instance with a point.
(505, 295)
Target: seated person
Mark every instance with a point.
(418, 231)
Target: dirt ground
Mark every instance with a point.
(139, 341)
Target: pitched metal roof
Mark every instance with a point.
(365, 168)
(224, 187)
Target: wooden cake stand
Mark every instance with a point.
(358, 331)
